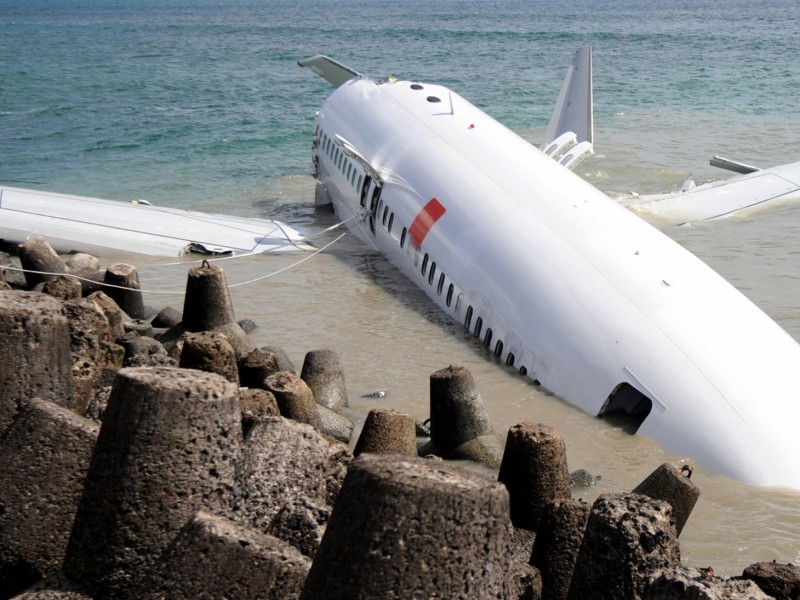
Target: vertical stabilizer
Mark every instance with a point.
(573, 111)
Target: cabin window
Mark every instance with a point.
(432, 274)
(336, 155)
(498, 349)
(425, 264)
(403, 237)
(385, 214)
(487, 341)
(523, 370)
(434, 99)
(358, 185)
(391, 220)
(478, 327)
(510, 359)
(349, 169)
(416, 86)
(440, 287)
(449, 298)
(468, 318)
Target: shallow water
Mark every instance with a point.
(200, 104)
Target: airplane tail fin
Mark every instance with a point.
(333, 72)
(573, 111)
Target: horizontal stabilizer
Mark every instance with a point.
(573, 110)
(732, 165)
(333, 72)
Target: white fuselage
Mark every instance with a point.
(559, 281)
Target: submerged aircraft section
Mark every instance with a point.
(556, 279)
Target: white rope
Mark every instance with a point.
(171, 292)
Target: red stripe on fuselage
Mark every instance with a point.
(426, 219)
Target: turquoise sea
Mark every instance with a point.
(200, 104)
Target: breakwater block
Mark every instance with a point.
(256, 366)
(283, 460)
(775, 579)
(387, 432)
(628, 537)
(122, 285)
(701, 584)
(36, 254)
(410, 527)
(213, 557)
(256, 404)
(324, 374)
(46, 453)
(35, 356)
(295, 398)
(210, 351)
(534, 469)
(334, 425)
(62, 287)
(557, 544)
(670, 484)
(459, 425)
(168, 446)
(94, 357)
(207, 304)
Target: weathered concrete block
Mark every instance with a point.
(39, 260)
(628, 538)
(57, 587)
(210, 351)
(35, 357)
(46, 453)
(256, 366)
(213, 557)
(334, 425)
(534, 469)
(256, 404)
(777, 580)
(93, 355)
(121, 283)
(557, 545)
(409, 527)
(324, 374)
(112, 311)
(169, 445)
(207, 304)
(301, 523)
(457, 411)
(167, 317)
(62, 287)
(141, 351)
(667, 483)
(283, 460)
(387, 432)
(295, 398)
(680, 583)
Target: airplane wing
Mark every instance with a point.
(570, 133)
(333, 72)
(727, 197)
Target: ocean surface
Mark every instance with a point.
(200, 104)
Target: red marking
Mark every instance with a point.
(426, 219)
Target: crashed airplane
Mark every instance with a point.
(557, 280)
